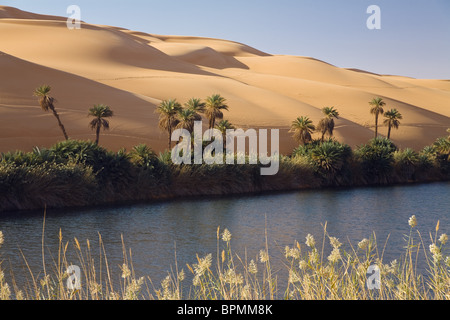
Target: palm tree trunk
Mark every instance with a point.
(170, 138)
(97, 134)
(376, 125)
(302, 138)
(389, 132)
(60, 123)
(211, 126)
(224, 140)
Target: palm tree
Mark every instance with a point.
(326, 125)
(326, 157)
(168, 110)
(376, 109)
(100, 112)
(442, 147)
(195, 105)
(143, 156)
(302, 128)
(213, 108)
(405, 162)
(392, 118)
(186, 118)
(223, 126)
(330, 160)
(47, 103)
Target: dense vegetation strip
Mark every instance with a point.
(81, 173)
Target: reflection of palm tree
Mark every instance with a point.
(376, 109)
(46, 103)
(168, 110)
(392, 120)
(326, 125)
(302, 128)
(100, 112)
(213, 108)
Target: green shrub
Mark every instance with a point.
(406, 162)
(24, 187)
(76, 172)
(330, 160)
(376, 160)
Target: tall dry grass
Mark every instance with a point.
(314, 271)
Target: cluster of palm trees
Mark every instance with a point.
(303, 127)
(172, 115)
(99, 111)
(392, 117)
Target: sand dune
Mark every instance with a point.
(14, 13)
(133, 71)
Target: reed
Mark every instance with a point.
(313, 271)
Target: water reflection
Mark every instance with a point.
(154, 231)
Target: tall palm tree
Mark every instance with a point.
(302, 128)
(392, 118)
(168, 110)
(47, 103)
(100, 112)
(326, 124)
(186, 118)
(376, 109)
(213, 108)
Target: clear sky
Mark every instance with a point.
(414, 39)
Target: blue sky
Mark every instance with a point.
(414, 39)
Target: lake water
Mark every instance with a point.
(155, 232)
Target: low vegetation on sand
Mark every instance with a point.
(81, 173)
(312, 270)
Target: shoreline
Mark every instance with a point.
(213, 197)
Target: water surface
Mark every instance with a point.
(155, 232)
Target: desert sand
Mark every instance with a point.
(134, 71)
